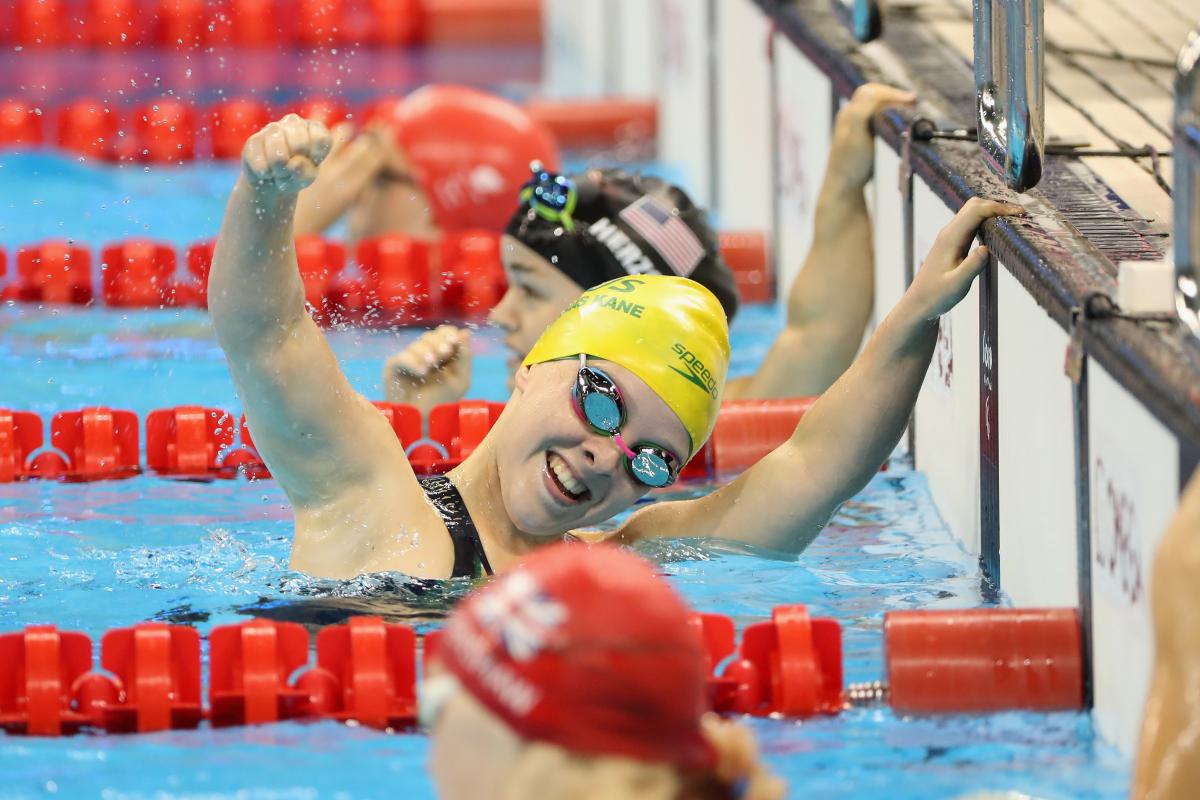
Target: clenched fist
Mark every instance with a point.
(852, 151)
(284, 156)
(434, 369)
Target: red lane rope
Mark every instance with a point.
(118, 25)
(198, 443)
(400, 280)
(173, 131)
(366, 670)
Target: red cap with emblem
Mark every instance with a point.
(589, 649)
(469, 151)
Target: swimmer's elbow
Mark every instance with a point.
(252, 320)
(787, 540)
(803, 533)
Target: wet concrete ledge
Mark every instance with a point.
(1049, 254)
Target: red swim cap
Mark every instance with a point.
(589, 649)
(469, 151)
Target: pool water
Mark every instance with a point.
(96, 556)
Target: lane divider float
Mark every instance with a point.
(170, 130)
(393, 280)
(398, 280)
(366, 671)
(200, 443)
(938, 662)
(122, 25)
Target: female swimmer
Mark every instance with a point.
(577, 675)
(610, 402)
(548, 264)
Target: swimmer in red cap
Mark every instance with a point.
(610, 403)
(578, 675)
(443, 158)
(547, 266)
(1168, 761)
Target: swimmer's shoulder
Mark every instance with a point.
(668, 519)
(388, 526)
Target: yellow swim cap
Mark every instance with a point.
(667, 330)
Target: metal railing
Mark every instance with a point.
(1186, 192)
(1009, 87)
(862, 17)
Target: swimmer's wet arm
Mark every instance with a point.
(1168, 762)
(315, 432)
(786, 499)
(830, 302)
(255, 293)
(353, 163)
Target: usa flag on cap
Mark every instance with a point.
(666, 233)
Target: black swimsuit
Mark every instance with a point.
(469, 559)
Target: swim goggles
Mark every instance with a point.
(597, 401)
(551, 196)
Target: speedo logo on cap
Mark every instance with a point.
(697, 373)
(624, 250)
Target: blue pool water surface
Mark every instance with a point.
(96, 556)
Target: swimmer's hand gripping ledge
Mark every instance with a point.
(851, 429)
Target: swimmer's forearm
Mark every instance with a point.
(319, 207)
(835, 450)
(841, 236)
(254, 289)
(338, 185)
(837, 283)
(852, 429)
(885, 379)
(829, 304)
(785, 499)
(831, 299)
(833, 295)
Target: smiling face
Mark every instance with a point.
(537, 293)
(556, 472)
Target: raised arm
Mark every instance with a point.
(318, 436)
(1168, 762)
(830, 301)
(851, 429)
(353, 164)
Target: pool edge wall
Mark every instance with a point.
(1061, 488)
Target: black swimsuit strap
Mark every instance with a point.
(469, 559)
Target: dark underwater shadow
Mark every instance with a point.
(418, 603)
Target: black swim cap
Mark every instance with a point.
(628, 224)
